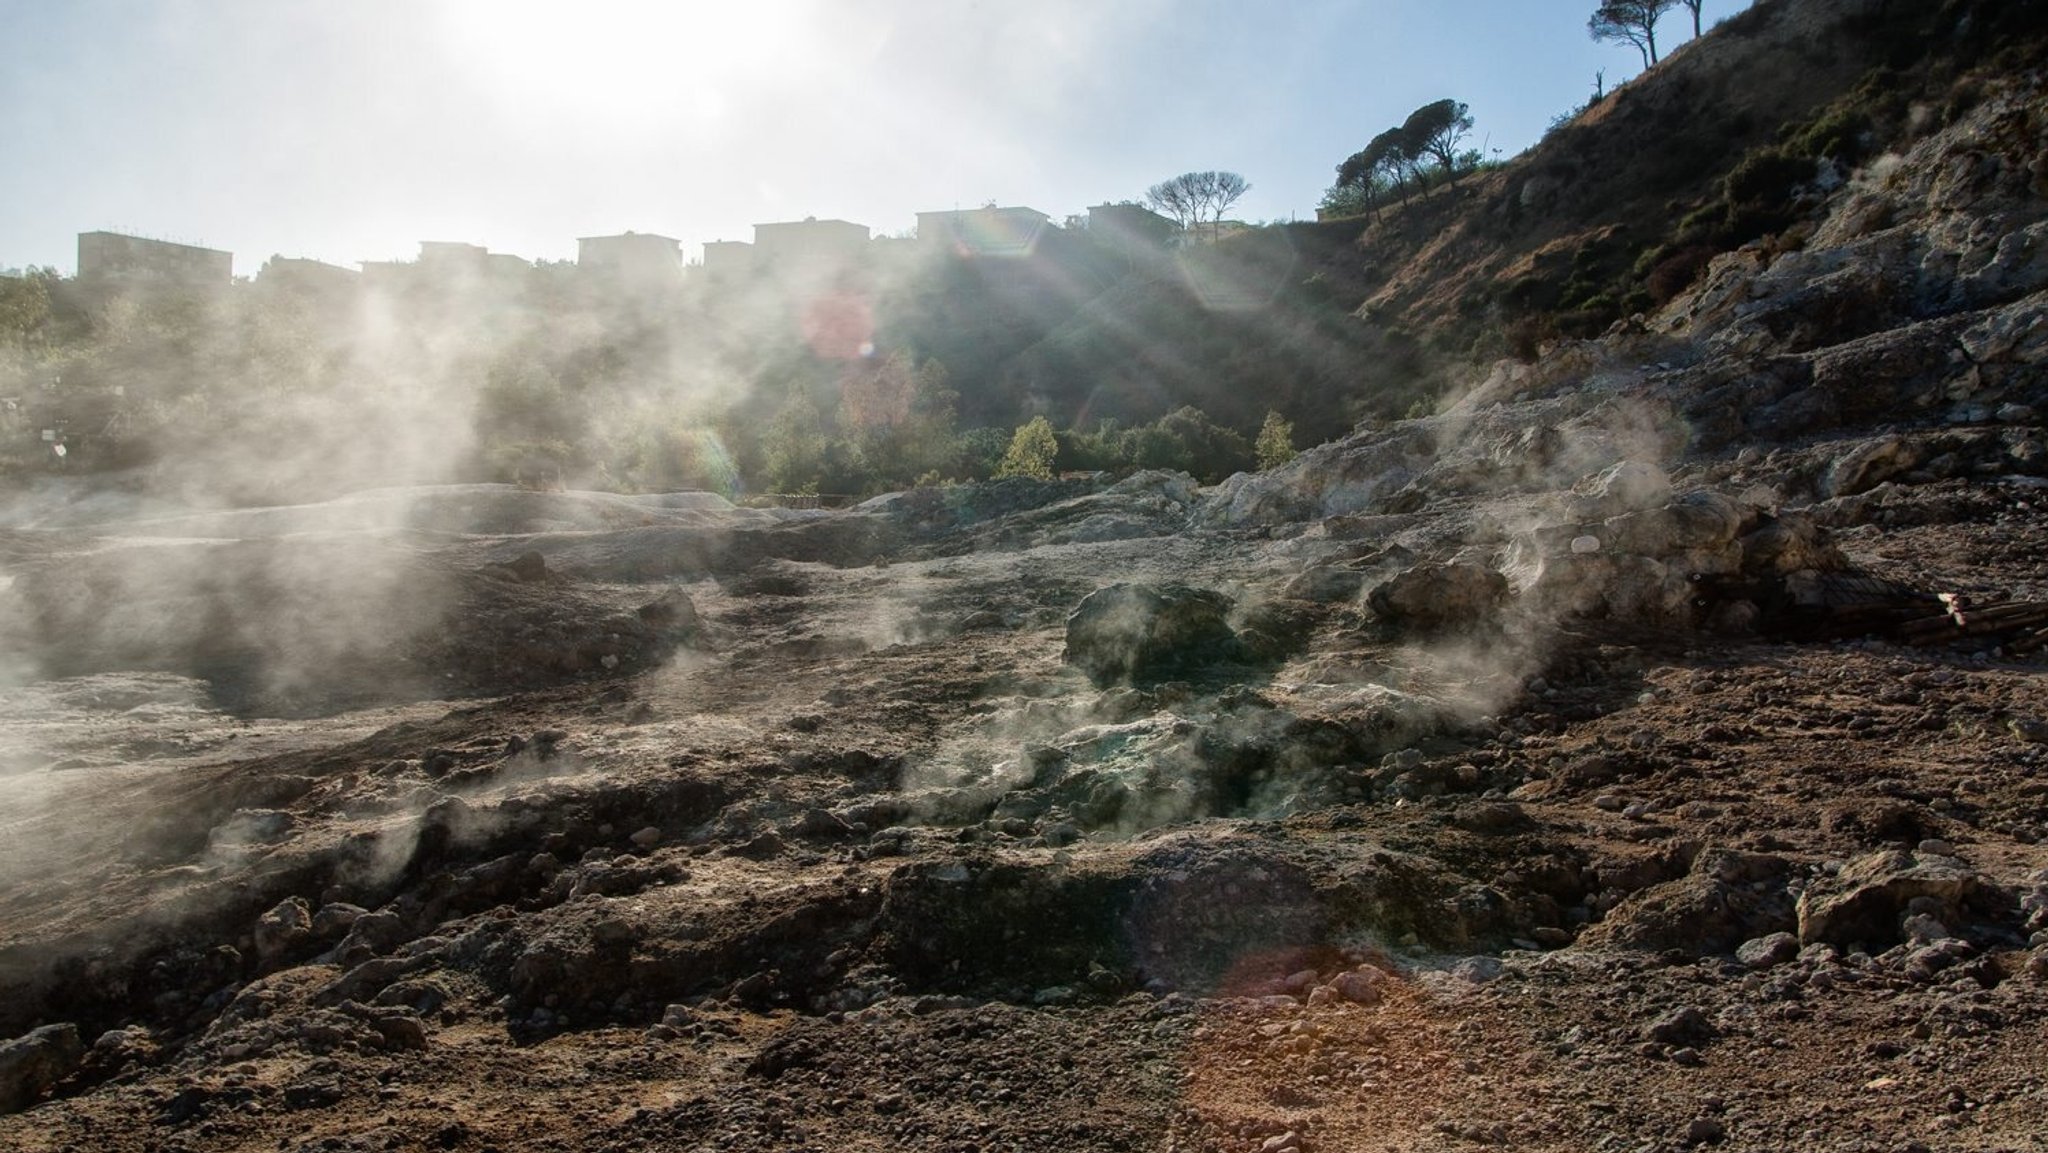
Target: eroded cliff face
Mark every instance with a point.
(1590, 764)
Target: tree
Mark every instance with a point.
(1032, 451)
(1435, 130)
(1224, 189)
(1379, 163)
(794, 447)
(25, 305)
(1174, 198)
(1394, 157)
(1630, 22)
(1275, 445)
(1694, 6)
(1193, 197)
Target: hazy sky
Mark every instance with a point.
(351, 129)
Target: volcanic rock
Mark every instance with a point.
(1438, 597)
(31, 1064)
(1143, 632)
(1863, 903)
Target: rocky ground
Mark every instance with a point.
(1589, 766)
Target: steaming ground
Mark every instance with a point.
(862, 859)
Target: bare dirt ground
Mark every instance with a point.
(867, 864)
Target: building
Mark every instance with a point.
(446, 265)
(809, 242)
(638, 259)
(298, 274)
(1132, 227)
(987, 231)
(112, 260)
(386, 273)
(440, 257)
(728, 257)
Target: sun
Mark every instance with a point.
(628, 62)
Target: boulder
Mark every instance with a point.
(1364, 985)
(1435, 597)
(1324, 584)
(1685, 1025)
(282, 929)
(1788, 543)
(1726, 899)
(672, 611)
(1869, 465)
(529, 567)
(1138, 632)
(1267, 498)
(335, 919)
(1766, 951)
(1626, 487)
(1864, 902)
(34, 1062)
(1643, 589)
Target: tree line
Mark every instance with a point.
(1424, 148)
(1634, 22)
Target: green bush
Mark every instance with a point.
(1032, 451)
(1766, 177)
(1275, 445)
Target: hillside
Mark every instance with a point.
(1731, 139)
(1644, 750)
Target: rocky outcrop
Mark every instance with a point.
(1439, 597)
(1141, 632)
(1868, 902)
(33, 1063)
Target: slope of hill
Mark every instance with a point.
(1725, 142)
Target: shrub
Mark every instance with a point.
(1765, 178)
(1676, 272)
(1032, 451)
(981, 451)
(1839, 135)
(1212, 451)
(1275, 445)
(1525, 336)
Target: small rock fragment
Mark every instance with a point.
(1682, 1026)
(1764, 952)
(1364, 985)
(1704, 1130)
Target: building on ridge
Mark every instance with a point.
(115, 260)
(1131, 227)
(810, 241)
(635, 259)
(989, 231)
(298, 274)
(728, 257)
